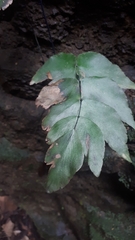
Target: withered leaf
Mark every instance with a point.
(8, 228)
(49, 96)
(7, 204)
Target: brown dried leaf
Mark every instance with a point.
(49, 96)
(7, 204)
(8, 228)
(24, 238)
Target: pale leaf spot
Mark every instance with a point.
(52, 163)
(51, 146)
(82, 74)
(58, 156)
(49, 76)
(46, 128)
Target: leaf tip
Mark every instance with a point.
(31, 82)
(5, 4)
(95, 172)
(126, 157)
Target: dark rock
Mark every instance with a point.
(80, 210)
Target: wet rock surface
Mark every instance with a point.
(88, 208)
(105, 27)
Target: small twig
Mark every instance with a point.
(44, 15)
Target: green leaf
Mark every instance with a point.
(108, 92)
(91, 112)
(109, 123)
(93, 143)
(5, 3)
(66, 158)
(57, 67)
(93, 64)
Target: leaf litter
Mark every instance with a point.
(15, 223)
